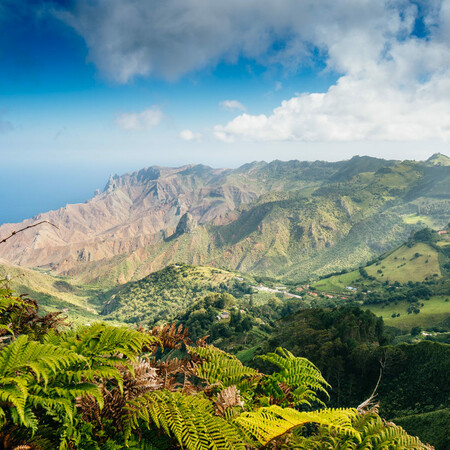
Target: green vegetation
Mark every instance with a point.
(161, 295)
(415, 263)
(433, 313)
(105, 387)
(432, 426)
(350, 348)
(235, 324)
(408, 287)
(53, 293)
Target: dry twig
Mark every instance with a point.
(26, 228)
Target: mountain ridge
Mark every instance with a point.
(258, 218)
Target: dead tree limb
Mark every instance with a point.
(367, 404)
(26, 228)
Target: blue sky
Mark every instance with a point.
(89, 87)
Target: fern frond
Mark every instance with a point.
(377, 433)
(42, 359)
(222, 369)
(189, 418)
(268, 423)
(302, 378)
(102, 340)
(20, 360)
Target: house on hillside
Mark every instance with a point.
(442, 232)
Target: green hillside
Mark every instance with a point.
(416, 263)
(438, 159)
(424, 257)
(408, 286)
(163, 294)
(337, 225)
(52, 293)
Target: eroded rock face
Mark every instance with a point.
(134, 211)
(187, 224)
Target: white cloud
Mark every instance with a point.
(129, 38)
(278, 86)
(232, 105)
(353, 109)
(394, 85)
(188, 135)
(139, 121)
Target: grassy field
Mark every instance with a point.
(412, 219)
(434, 311)
(337, 283)
(415, 264)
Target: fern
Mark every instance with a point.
(222, 369)
(103, 341)
(189, 418)
(268, 423)
(105, 347)
(376, 433)
(21, 363)
(298, 378)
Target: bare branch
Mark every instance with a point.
(26, 228)
(370, 401)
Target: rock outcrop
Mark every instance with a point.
(187, 224)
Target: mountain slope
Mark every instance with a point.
(408, 286)
(290, 219)
(52, 293)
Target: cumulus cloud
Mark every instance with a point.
(395, 86)
(232, 105)
(392, 56)
(189, 135)
(139, 121)
(354, 109)
(129, 38)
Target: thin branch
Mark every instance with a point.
(26, 228)
(367, 403)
